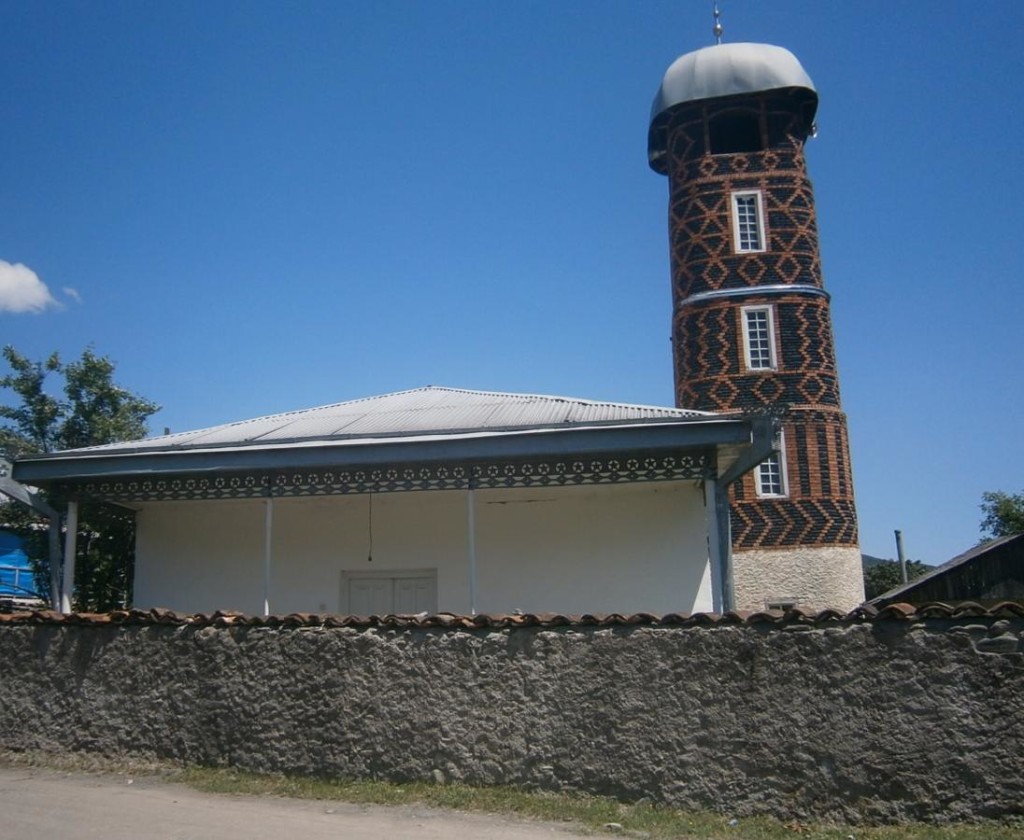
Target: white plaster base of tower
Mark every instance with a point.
(815, 577)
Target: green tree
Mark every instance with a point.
(91, 410)
(30, 426)
(1004, 514)
(881, 577)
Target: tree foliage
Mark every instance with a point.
(30, 426)
(1003, 514)
(881, 577)
(93, 410)
(89, 410)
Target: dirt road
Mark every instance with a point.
(46, 803)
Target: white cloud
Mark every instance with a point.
(21, 290)
(72, 293)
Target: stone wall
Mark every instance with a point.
(803, 717)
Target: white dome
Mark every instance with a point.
(726, 70)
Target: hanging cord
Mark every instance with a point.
(369, 532)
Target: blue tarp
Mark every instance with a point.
(15, 569)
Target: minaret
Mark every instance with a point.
(750, 316)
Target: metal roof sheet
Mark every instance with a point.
(432, 410)
(726, 70)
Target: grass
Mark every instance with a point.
(591, 813)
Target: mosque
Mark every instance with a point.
(441, 499)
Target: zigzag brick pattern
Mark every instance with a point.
(708, 355)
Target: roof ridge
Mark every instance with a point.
(274, 422)
(557, 397)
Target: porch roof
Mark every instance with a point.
(431, 424)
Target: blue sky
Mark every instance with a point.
(255, 207)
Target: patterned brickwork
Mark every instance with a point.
(710, 366)
(820, 508)
(699, 212)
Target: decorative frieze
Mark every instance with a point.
(638, 467)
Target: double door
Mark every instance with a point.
(389, 592)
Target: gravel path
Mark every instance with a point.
(47, 803)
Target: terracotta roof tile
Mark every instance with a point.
(448, 621)
(765, 617)
(969, 609)
(902, 612)
(1007, 609)
(799, 615)
(934, 611)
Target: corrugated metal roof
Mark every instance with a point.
(432, 410)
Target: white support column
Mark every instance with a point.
(268, 533)
(714, 544)
(471, 529)
(70, 546)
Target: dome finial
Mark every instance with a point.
(717, 30)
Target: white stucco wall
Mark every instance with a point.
(619, 548)
(815, 576)
(632, 548)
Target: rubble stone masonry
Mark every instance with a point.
(846, 719)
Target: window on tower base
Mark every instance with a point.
(748, 222)
(770, 475)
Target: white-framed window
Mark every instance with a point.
(770, 475)
(748, 222)
(758, 337)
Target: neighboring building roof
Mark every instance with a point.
(431, 423)
(991, 571)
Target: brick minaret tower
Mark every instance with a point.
(750, 316)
